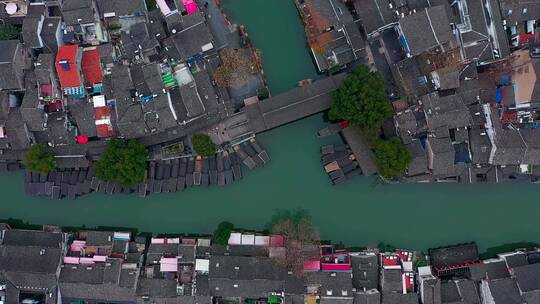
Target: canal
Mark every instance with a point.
(362, 212)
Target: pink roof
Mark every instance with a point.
(71, 260)
(191, 6)
(277, 241)
(168, 264)
(89, 261)
(336, 267)
(188, 241)
(100, 258)
(312, 265)
(45, 89)
(77, 245)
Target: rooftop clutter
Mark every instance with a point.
(119, 266)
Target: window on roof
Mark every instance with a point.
(509, 12)
(524, 10)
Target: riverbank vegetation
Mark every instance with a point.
(203, 145)
(361, 100)
(37, 159)
(123, 162)
(299, 231)
(222, 233)
(391, 158)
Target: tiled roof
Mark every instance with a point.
(91, 67)
(68, 72)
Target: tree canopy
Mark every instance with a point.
(222, 233)
(123, 162)
(8, 32)
(361, 100)
(298, 229)
(36, 159)
(392, 158)
(203, 145)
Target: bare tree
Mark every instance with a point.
(236, 69)
(300, 234)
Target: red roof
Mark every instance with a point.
(390, 260)
(336, 267)
(91, 67)
(409, 280)
(66, 66)
(104, 130)
(277, 241)
(404, 255)
(103, 112)
(312, 265)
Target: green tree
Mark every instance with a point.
(203, 145)
(8, 32)
(222, 233)
(391, 158)
(123, 162)
(36, 159)
(361, 100)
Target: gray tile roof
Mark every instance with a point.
(77, 12)
(365, 271)
(431, 291)
(99, 238)
(10, 71)
(480, 146)
(391, 281)
(436, 23)
(516, 260)
(156, 288)
(189, 41)
(399, 298)
(454, 255)
(447, 111)
(31, 31)
(122, 7)
(369, 297)
(332, 285)
(29, 259)
(493, 270)
(505, 291)
(51, 25)
(41, 239)
(528, 277)
(519, 10)
(84, 115)
(418, 164)
(510, 147)
(468, 291)
(443, 159)
(34, 117)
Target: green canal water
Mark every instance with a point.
(361, 212)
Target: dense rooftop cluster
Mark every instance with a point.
(55, 266)
(463, 79)
(85, 71)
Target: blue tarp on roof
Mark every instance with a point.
(505, 79)
(498, 95)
